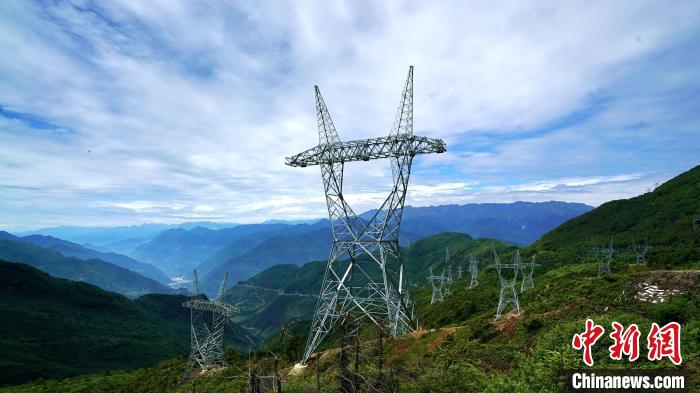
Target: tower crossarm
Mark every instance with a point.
(207, 305)
(367, 149)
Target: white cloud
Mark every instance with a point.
(177, 108)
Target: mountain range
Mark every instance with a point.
(94, 271)
(463, 347)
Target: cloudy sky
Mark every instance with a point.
(125, 112)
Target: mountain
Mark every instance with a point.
(663, 218)
(76, 250)
(297, 249)
(94, 271)
(518, 223)
(179, 251)
(121, 239)
(52, 327)
(256, 235)
(263, 309)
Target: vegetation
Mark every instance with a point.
(462, 348)
(94, 271)
(52, 328)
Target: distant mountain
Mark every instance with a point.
(516, 223)
(178, 251)
(122, 239)
(662, 218)
(94, 271)
(76, 250)
(258, 234)
(296, 248)
(53, 328)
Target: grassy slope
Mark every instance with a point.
(664, 218)
(527, 354)
(51, 327)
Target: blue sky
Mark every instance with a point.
(126, 112)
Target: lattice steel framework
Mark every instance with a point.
(207, 340)
(351, 284)
(527, 269)
(640, 252)
(604, 256)
(436, 282)
(447, 275)
(459, 272)
(473, 271)
(508, 295)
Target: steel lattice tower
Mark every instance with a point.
(436, 282)
(372, 288)
(696, 222)
(528, 269)
(459, 272)
(207, 340)
(508, 295)
(446, 275)
(640, 252)
(473, 271)
(604, 257)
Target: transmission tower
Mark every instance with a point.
(527, 269)
(207, 339)
(473, 271)
(373, 289)
(436, 282)
(696, 222)
(640, 251)
(604, 256)
(508, 296)
(446, 275)
(459, 272)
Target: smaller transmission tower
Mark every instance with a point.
(604, 256)
(696, 222)
(528, 269)
(436, 282)
(447, 275)
(640, 251)
(473, 271)
(208, 339)
(508, 296)
(459, 272)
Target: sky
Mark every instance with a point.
(127, 112)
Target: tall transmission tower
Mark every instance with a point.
(207, 339)
(446, 275)
(437, 283)
(508, 296)
(640, 252)
(604, 256)
(372, 288)
(474, 270)
(527, 269)
(459, 272)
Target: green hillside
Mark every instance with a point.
(663, 218)
(94, 271)
(52, 327)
